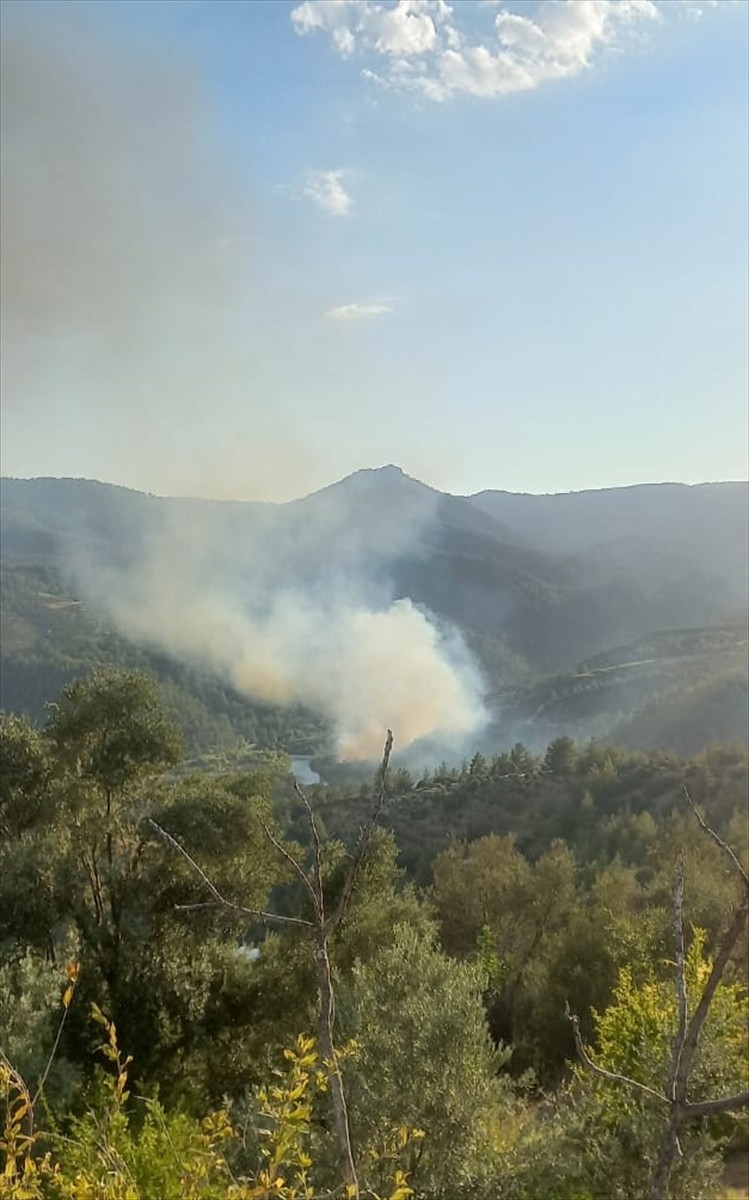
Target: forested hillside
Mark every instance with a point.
(49, 638)
(211, 936)
(604, 801)
(577, 617)
(381, 1000)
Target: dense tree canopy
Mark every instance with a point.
(452, 966)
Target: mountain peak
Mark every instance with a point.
(373, 483)
(387, 471)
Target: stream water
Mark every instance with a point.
(302, 771)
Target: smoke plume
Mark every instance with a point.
(295, 604)
(364, 669)
(133, 291)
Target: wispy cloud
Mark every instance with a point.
(326, 190)
(358, 312)
(426, 46)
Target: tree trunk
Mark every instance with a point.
(667, 1153)
(326, 1043)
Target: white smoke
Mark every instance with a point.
(364, 669)
(292, 604)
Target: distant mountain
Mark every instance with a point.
(535, 584)
(705, 525)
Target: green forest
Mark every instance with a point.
(523, 978)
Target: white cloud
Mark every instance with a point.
(326, 190)
(358, 312)
(400, 30)
(427, 46)
(332, 16)
(404, 30)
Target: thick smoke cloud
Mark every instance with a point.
(364, 669)
(294, 604)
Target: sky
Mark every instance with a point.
(249, 248)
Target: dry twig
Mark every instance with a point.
(322, 929)
(681, 1111)
(220, 901)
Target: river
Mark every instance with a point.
(302, 771)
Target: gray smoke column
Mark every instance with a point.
(365, 669)
(294, 603)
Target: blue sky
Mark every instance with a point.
(251, 247)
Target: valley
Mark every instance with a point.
(555, 629)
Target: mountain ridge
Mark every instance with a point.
(386, 470)
(534, 585)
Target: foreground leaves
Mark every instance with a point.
(115, 1152)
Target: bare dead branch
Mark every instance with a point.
(172, 841)
(66, 1002)
(317, 850)
(681, 978)
(712, 1108)
(325, 983)
(298, 870)
(365, 836)
(699, 1015)
(731, 855)
(258, 914)
(610, 1076)
(682, 1112)
(322, 930)
(220, 901)
(668, 1151)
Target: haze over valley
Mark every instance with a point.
(460, 622)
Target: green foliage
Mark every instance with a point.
(621, 1129)
(610, 805)
(423, 1059)
(24, 769)
(380, 903)
(113, 1152)
(595, 1140)
(636, 1032)
(518, 921)
(528, 925)
(30, 991)
(560, 757)
(109, 731)
(90, 872)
